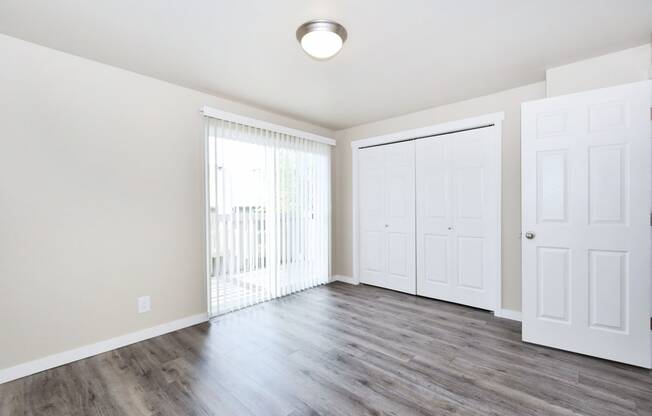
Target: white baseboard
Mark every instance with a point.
(55, 360)
(508, 314)
(342, 278)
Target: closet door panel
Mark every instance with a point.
(468, 160)
(474, 156)
(373, 238)
(470, 198)
(387, 217)
(400, 216)
(434, 242)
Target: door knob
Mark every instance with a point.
(386, 225)
(529, 235)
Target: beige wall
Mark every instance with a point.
(508, 101)
(101, 200)
(622, 67)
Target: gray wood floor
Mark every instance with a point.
(337, 350)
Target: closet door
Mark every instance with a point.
(387, 216)
(458, 225)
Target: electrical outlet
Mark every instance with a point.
(144, 304)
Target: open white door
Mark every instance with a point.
(387, 221)
(586, 223)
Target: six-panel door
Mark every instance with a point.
(458, 200)
(586, 206)
(386, 215)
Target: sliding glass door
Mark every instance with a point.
(268, 197)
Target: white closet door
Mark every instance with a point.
(586, 215)
(458, 224)
(387, 217)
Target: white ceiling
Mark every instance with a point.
(401, 56)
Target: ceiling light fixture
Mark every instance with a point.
(321, 38)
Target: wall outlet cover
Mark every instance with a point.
(144, 304)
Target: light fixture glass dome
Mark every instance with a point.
(321, 39)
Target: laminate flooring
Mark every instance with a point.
(337, 350)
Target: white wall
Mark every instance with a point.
(508, 101)
(101, 200)
(622, 67)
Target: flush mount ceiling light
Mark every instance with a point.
(321, 38)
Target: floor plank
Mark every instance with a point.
(337, 350)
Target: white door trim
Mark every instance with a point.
(495, 119)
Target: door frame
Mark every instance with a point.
(492, 120)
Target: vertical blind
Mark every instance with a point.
(268, 216)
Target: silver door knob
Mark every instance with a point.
(386, 225)
(529, 235)
(450, 228)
